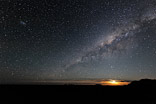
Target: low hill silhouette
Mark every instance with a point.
(143, 83)
(137, 92)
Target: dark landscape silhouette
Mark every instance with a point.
(143, 83)
(140, 92)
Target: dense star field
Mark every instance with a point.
(77, 39)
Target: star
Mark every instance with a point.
(23, 23)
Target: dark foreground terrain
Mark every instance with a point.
(138, 92)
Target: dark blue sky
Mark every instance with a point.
(75, 39)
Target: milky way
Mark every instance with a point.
(119, 41)
(74, 39)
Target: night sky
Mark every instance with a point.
(77, 39)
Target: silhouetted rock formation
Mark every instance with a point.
(143, 83)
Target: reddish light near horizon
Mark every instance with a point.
(114, 83)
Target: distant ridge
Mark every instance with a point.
(144, 83)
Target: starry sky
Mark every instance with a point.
(77, 39)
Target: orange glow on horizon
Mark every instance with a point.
(114, 83)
